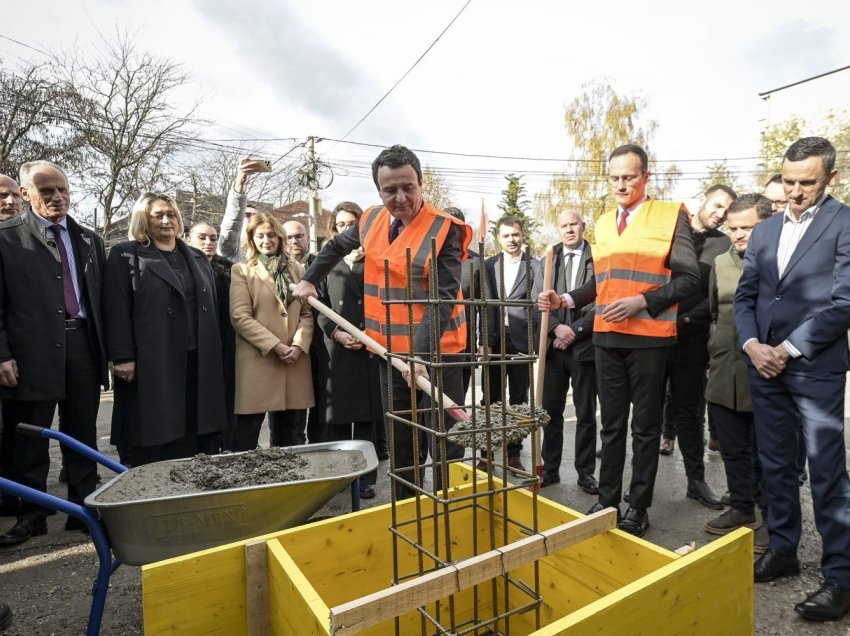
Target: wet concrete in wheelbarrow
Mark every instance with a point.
(204, 473)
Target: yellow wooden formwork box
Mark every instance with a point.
(611, 583)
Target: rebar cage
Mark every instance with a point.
(485, 512)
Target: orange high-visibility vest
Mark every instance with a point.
(633, 263)
(374, 237)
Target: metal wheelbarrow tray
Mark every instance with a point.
(146, 530)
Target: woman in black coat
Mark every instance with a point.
(162, 337)
(204, 237)
(353, 395)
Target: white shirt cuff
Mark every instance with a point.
(568, 300)
(744, 347)
(791, 349)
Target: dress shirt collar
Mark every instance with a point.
(632, 208)
(512, 260)
(47, 222)
(807, 214)
(577, 251)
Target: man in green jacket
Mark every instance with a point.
(728, 390)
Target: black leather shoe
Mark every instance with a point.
(9, 506)
(599, 506)
(22, 531)
(367, 492)
(588, 484)
(771, 565)
(829, 603)
(72, 523)
(635, 521)
(549, 479)
(699, 490)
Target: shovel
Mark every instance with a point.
(422, 383)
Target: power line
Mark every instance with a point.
(406, 73)
(767, 94)
(25, 45)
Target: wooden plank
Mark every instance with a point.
(199, 594)
(709, 591)
(257, 588)
(372, 609)
(295, 607)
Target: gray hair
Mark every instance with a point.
(25, 173)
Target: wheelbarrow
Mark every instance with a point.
(149, 530)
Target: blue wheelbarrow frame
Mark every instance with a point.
(97, 530)
(107, 564)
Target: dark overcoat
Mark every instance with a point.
(147, 321)
(32, 305)
(353, 392)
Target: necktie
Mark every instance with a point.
(395, 229)
(622, 225)
(72, 305)
(568, 272)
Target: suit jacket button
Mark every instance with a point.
(168, 311)
(340, 302)
(778, 298)
(58, 276)
(359, 302)
(203, 308)
(59, 310)
(58, 345)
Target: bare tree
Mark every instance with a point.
(32, 124)
(209, 176)
(123, 105)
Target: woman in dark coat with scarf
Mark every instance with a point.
(353, 395)
(162, 337)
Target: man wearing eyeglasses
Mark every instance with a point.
(298, 246)
(645, 263)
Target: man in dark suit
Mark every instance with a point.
(509, 269)
(570, 358)
(644, 263)
(688, 361)
(792, 311)
(51, 337)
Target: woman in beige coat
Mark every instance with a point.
(273, 332)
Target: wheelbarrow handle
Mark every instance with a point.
(73, 444)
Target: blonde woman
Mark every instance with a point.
(162, 337)
(273, 334)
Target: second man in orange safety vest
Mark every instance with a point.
(645, 264)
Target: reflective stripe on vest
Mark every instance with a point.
(634, 263)
(429, 224)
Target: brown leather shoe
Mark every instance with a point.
(516, 467)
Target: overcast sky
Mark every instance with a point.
(495, 84)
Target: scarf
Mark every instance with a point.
(278, 267)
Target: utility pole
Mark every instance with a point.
(314, 202)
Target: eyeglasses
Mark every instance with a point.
(626, 178)
(296, 237)
(344, 225)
